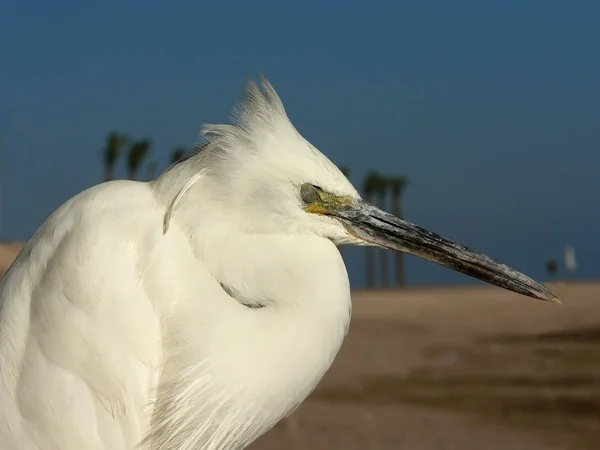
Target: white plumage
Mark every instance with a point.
(115, 334)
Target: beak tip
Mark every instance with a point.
(556, 300)
(550, 297)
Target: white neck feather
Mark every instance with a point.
(232, 372)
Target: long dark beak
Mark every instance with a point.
(377, 227)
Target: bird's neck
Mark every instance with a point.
(249, 367)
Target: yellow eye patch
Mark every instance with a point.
(328, 204)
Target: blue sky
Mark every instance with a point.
(491, 108)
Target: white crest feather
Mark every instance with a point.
(259, 114)
(178, 197)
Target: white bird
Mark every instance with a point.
(197, 310)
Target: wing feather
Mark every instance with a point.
(79, 336)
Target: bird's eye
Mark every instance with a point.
(309, 193)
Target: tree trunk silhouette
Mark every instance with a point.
(369, 186)
(370, 256)
(397, 186)
(400, 276)
(382, 188)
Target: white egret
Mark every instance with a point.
(197, 310)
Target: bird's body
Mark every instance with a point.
(196, 311)
(82, 353)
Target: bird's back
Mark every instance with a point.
(79, 339)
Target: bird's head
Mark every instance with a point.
(261, 175)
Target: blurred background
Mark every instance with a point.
(477, 120)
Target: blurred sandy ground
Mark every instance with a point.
(461, 368)
(8, 252)
(465, 368)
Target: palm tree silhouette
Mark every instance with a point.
(177, 154)
(137, 153)
(552, 267)
(115, 143)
